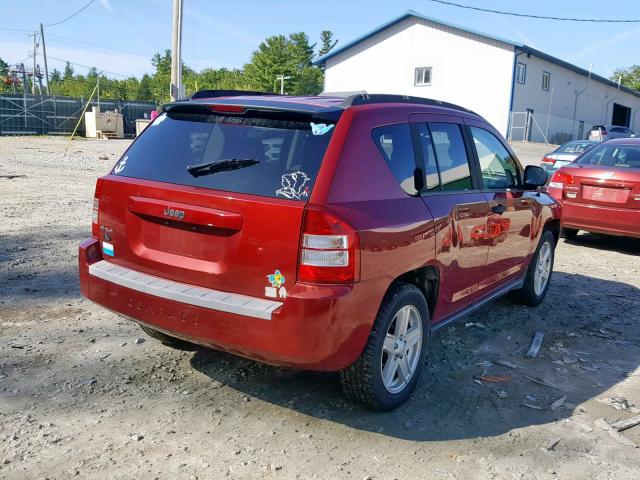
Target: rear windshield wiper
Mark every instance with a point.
(208, 168)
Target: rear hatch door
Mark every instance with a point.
(214, 199)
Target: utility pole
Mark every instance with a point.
(282, 78)
(175, 89)
(33, 79)
(44, 54)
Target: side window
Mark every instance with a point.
(499, 169)
(432, 178)
(395, 144)
(521, 72)
(451, 156)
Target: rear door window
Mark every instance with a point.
(432, 176)
(499, 169)
(278, 157)
(451, 156)
(395, 144)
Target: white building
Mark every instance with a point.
(499, 79)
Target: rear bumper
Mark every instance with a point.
(317, 327)
(600, 219)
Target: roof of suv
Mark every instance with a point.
(326, 106)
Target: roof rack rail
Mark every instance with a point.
(373, 98)
(227, 93)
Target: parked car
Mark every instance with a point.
(600, 133)
(565, 154)
(342, 250)
(600, 191)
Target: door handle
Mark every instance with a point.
(499, 209)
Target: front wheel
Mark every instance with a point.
(538, 278)
(387, 371)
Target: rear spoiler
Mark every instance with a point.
(227, 93)
(256, 105)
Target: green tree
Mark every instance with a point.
(4, 68)
(279, 55)
(68, 71)
(55, 76)
(326, 42)
(145, 91)
(4, 72)
(630, 77)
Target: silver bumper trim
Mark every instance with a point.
(184, 293)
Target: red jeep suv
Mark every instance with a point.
(321, 233)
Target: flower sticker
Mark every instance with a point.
(276, 279)
(276, 289)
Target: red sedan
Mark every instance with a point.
(600, 191)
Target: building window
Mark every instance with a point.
(423, 76)
(521, 72)
(546, 80)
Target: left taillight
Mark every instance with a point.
(549, 161)
(95, 213)
(329, 250)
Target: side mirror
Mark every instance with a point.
(534, 177)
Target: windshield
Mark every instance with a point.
(575, 147)
(282, 156)
(612, 155)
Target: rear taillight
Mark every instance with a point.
(328, 250)
(95, 214)
(560, 179)
(548, 160)
(96, 209)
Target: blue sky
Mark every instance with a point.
(220, 33)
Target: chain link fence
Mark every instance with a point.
(541, 128)
(54, 115)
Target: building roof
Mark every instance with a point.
(516, 45)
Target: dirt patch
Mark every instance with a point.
(85, 392)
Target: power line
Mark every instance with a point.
(82, 42)
(87, 66)
(15, 29)
(70, 16)
(539, 17)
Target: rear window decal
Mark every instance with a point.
(320, 128)
(161, 118)
(276, 289)
(294, 186)
(120, 165)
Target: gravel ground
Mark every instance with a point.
(83, 392)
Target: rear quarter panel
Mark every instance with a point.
(395, 229)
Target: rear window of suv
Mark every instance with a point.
(271, 157)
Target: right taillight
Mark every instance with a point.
(328, 250)
(560, 179)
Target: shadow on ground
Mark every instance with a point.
(597, 241)
(585, 320)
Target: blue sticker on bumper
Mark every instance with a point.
(107, 249)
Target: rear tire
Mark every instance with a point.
(168, 340)
(387, 371)
(570, 233)
(538, 278)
